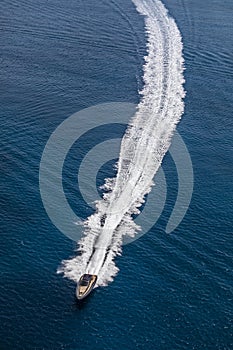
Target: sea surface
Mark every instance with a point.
(173, 291)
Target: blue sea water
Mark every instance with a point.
(173, 291)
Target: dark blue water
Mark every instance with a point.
(173, 291)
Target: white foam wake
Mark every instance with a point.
(143, 147)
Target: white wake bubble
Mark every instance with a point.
(143, 147)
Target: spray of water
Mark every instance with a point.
(143, 147)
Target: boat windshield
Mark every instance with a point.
(85, 280)
(84, 283)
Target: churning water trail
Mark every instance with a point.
(143, 147)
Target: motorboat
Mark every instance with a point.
(85, 285)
